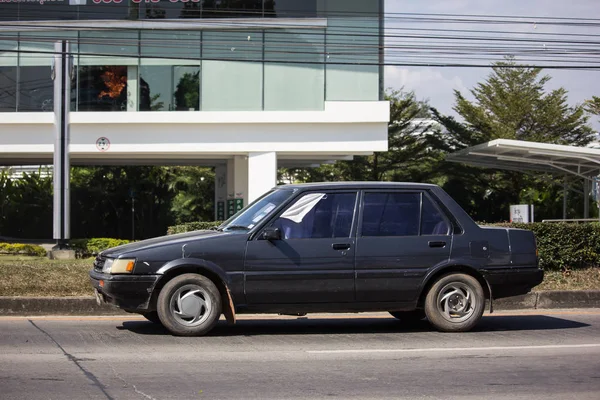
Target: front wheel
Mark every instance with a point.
(189, 305)
(455, 303)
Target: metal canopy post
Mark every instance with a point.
(586, 199)
(61, 74)
(565, 192)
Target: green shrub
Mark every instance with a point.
(22, 249)
(564, 246)
(192, 226)
(89, 247)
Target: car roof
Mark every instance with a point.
(358, 185)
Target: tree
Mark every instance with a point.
(593, 105)
(413, 148)
(514, 103)
(187, 94)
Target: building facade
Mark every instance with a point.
(243, 85)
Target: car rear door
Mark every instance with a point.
(314, 260)
(401, 234)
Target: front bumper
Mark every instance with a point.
(129, 292)
(507, 282)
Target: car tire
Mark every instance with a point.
(455, 303)
(408, 316)
(189, 305)
(152, 316)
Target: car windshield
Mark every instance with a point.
(247, 218)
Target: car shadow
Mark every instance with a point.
(307, 326)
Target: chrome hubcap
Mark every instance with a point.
(190, 305)
(456, 302)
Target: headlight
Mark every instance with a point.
(118, 266)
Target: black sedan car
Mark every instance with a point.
(405, 248)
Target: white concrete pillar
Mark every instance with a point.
(237, 184)
(220, 192)
(262, 174)
(132, 88)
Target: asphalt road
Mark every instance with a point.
(528, 355)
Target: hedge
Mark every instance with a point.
(89, 247)
(22, 249)
(562, 246)
(192, 226)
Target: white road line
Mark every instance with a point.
(454, 349)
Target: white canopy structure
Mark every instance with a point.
(517, 155)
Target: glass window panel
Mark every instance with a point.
(391, 214)
(232, 45)
(350, 41)
(432, 221)
(169, 88)
(170, 82)
(291, 8)
(167, 9)
(231, 86)
(103, 88)
(232, 8)
(170, 47)
(231, 79)
(296, 81)
(9, 11)
(47, 10)
(187, 88)
(108, 48)
(36, 89)
(318, 216)
(8, 73)
(107, 9)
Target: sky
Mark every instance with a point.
(437, 84)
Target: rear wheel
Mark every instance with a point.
(189, 305)
(455, 303)
(408, 316)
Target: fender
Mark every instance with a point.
(194, 262)
(464, 263)
(227, 300)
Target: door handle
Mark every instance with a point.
(341, 246)
(437, 244)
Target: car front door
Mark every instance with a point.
(401, 235)
(313, 262)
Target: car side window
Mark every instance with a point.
(318, 215)
(391, 214)
(432, 221)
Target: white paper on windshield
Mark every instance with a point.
(298, 211)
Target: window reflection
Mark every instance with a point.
(169, 88)
(8, 89)
(102, 88)
(36, 89)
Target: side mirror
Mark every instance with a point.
(271, 233)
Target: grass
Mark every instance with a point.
(34, 276)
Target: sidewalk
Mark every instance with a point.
(29, 306)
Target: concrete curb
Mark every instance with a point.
(32, 306)
(20, 306)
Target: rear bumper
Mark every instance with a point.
(129, 292)
(507, 282)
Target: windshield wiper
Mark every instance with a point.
(236, 228)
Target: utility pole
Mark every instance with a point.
(62, 72)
